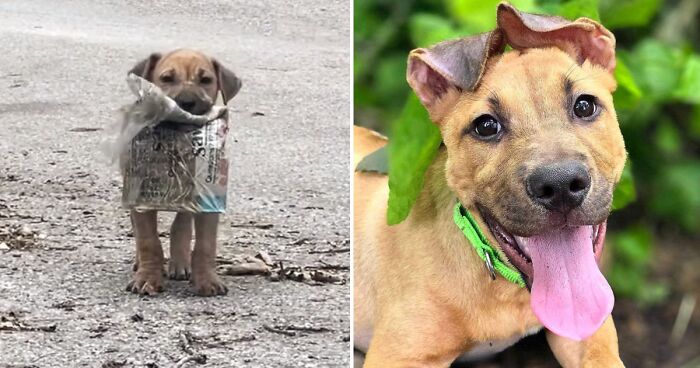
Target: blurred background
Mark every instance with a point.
(653, 241)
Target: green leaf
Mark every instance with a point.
(667, 138)
(477, 16)
(624, 281)
(688, 89)
(390, 81)
(632, 251)
(653, 293)
(633, 246)
(677, 194)
(413, 146)
(656, 68)
(427, 29)
(695, 123)
(573, 9)
(625, 192)
(627, 13)
(628, 94)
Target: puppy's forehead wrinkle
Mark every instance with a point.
(190, 62)
(531, 87)
(534, 88)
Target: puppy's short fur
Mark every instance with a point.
(423, 297)
(193, 80)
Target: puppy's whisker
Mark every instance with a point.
(471, 97)
(570, 70)
(493, 92)
(590, 76)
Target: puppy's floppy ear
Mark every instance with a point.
(583, 39)
(144, 68)
(229, 83)
(449, 67)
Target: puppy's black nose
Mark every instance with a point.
(187, 105)
(560, 186)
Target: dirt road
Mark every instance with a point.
(62, 298)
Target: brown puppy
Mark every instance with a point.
(532, 149)
(193, 80)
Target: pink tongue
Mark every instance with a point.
(569, 294)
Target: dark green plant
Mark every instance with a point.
(657, 100)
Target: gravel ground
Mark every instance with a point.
(62, 280)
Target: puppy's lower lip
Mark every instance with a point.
(517, 251)
(516, 255)
(504, 236)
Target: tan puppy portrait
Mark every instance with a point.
(193, 80)
(532, 149)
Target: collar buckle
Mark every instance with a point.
(489, 265)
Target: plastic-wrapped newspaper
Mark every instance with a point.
(170, 159)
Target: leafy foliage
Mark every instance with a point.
(632, 250)
(415, 143)
(657, 101)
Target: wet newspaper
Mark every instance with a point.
(170, 159)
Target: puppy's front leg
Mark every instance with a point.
(180, 247)
(148, 278)
(407, 338)
(599, 350)
(204, 278)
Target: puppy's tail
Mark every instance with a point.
(366, 141)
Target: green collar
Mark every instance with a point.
(494, 263)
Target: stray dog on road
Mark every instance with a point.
(532, 151)
(193, 80)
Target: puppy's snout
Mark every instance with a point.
(559, 187)
(187, 105)
(186, 101)
(192, 103)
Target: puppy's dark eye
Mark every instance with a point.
(166, 78)
(486, 127)
(206, 80)
(585, 106)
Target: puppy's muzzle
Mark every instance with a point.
(560, 186)
(192, 103)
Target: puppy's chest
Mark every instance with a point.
(489, 348)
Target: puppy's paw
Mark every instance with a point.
(178, 270)
(146, 283)
(135, 268)
(208, 284)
